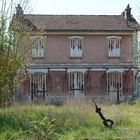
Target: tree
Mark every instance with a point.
(10, 60)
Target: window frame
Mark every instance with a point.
(76, 51)
(114, 46)
(38, 46)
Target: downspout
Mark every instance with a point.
(87, 80)
(137, 82)
(107, 83)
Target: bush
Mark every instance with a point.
(43, 130)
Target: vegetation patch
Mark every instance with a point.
(73, 120)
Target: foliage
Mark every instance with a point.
(11, 61)
(43, 130)
(70, 121)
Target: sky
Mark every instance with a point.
(84, 7)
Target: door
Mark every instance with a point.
(76, 84)
(115, 86)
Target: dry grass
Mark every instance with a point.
(76, 119)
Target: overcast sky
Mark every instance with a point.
(84, 7)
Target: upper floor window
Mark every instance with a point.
(76, 46)
(114, 46)
(38, 47)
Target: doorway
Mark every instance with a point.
(115, 86)
(76, 84)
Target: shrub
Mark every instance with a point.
(43, 130)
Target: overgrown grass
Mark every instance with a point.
(74, 120)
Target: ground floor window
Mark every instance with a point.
(38, 86)
(76, 83)
(114, 81)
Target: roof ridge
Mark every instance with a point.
(64, 15)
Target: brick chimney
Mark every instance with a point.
(19, 11)
(127, 13)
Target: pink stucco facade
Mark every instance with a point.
(95, 49)
(79, 55)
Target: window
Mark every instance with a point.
(114, 46)
(76, 84)
(38, 86)
(38, 47)
(76, 47)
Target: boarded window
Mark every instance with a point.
(38, 85)
(38, 47)
(114, 46)
(114, 81)
(76, 47)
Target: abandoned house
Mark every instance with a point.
(79, 56)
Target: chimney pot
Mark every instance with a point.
(19, 11)
(127, 13)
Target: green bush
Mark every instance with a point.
(43, 130)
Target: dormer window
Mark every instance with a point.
(76, 46)
(38, 47)
(114, 46)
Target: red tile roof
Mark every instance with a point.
(80, 23)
